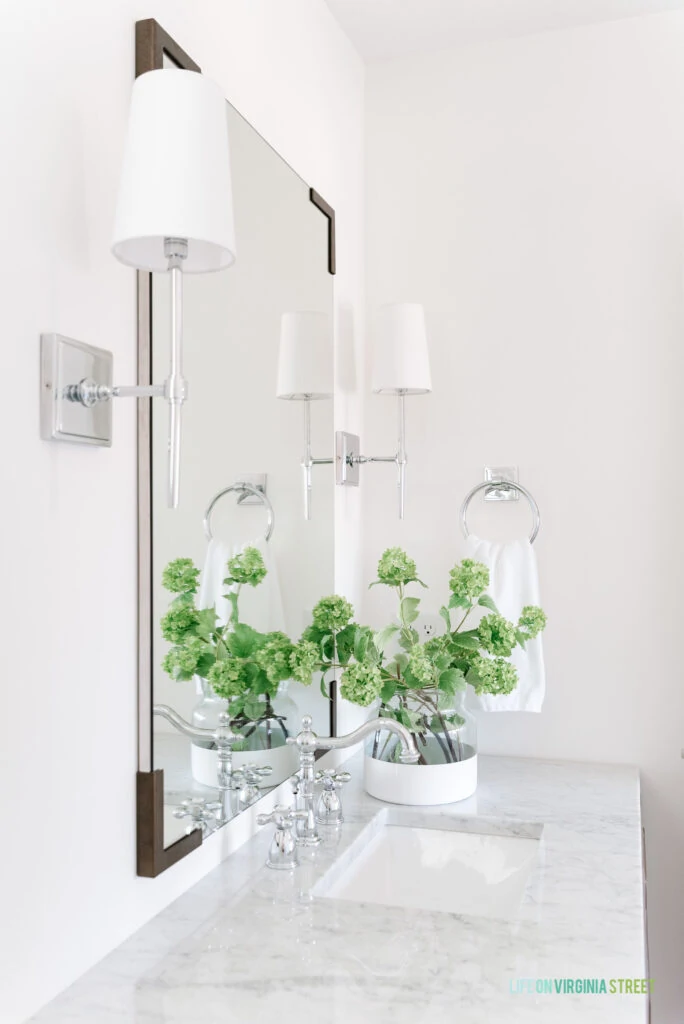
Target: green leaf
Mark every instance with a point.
(404, 717)
(442, 662)
(401, 660)
(451, 680)
(361, 638)
(325, 688)
(344, 642)
(458, 602)
(410, 640)
(206, 623)
(204, 663)
(383, 638)
(243, 641)
(521, 637)
(326, 645)
(253, 707)
(487, 602)
(388, 690)
(444, 612)
(409, 609)
(466, 641)
(473, 677)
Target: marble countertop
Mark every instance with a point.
(248, 944)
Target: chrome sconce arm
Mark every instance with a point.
(348, 457)
(62, 356)
(308, 461)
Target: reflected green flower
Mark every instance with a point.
(332, 614)
(361, 684)
(247, 567)
(181, 576)
(532, 620)
(181, 662)
(469, 579)
(496, 676)
(497, 635)
(226, 678)
(179, 623)
(274, 657)
(304, 661)
(395, 568)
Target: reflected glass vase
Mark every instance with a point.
(270, 730)
(445, 734)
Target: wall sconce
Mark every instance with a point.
(401, 367)
(305, 374)
(175, 214)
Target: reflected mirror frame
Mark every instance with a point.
(152, 46)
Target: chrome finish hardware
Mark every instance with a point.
(243, 488)
(282, 854)
(223, 737)
(500, 489)
(246, 781)
(308, 461)
(308, 743)
(348, 456)
(75, 376)
(202, 814)
(329, 810)
(501, 480)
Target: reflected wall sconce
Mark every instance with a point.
(401, 367)
(305, 374)
(175, 214)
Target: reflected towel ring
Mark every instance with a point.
(488, 484)
(243, 488)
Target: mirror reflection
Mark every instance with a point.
(237, 567)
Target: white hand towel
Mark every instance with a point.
(260, 607)
(513, 583)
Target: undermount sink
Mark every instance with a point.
(457, 870)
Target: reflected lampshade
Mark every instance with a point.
(305, 359)
(176, 180)
(401, 363)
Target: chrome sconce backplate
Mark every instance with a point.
(64, 363)
(347, 452)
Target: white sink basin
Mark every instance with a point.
(445, 869)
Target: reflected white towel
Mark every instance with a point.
(262, 606)
(513, 583)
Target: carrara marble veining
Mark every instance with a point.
(249, 944)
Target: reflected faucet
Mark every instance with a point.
(308, 743)
(223, 737)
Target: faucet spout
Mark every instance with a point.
(308, 740)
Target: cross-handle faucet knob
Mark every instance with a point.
(282, 854)
(329, 810)
(246, 781)
(201, 813)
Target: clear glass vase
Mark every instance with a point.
(445, 733)
(205, 714)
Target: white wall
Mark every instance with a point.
(68, 891)
(529, 193)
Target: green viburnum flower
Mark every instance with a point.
(361, 684)
(437, 645)
(469, 580)
(247, 567)
(274, 657)
(532, 620)
(182, 661)
(421, 667)
(179, 623)
(332, 614)
(181, 576)
(226, 678)
(497, 676)
(304, 660)
(395, 568)
(497, 635)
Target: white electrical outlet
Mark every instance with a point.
(428, 625)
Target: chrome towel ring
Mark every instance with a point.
(242, 488)
(488, 484)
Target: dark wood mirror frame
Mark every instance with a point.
(152, 45)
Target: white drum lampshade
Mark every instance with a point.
(305, 360)
(401, 363)
(176, 180)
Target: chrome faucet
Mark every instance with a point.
(308, 743)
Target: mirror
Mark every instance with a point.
(237, 432)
